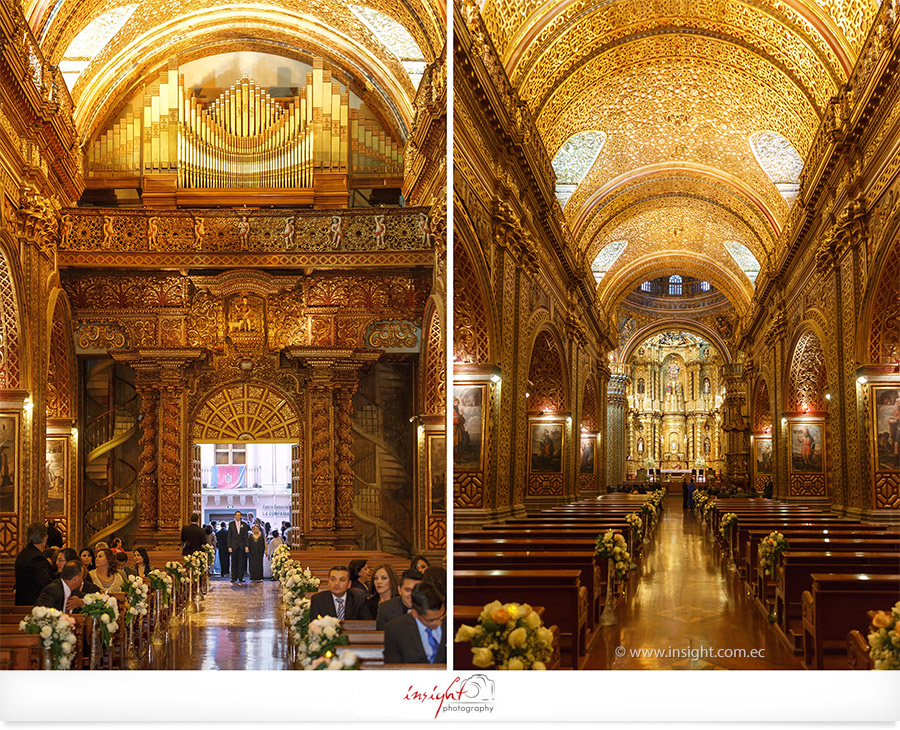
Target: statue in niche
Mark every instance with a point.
(673, 371)
(640, 386)
(706, 386)
(640, 446)
(245, 314)
(706, 447)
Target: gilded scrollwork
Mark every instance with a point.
(101, 336)
(387, 335)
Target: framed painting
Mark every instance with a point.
(468, 427)
(886, 417)
(807, 448)
(586, 464)
(546, 447)
(437, 472)
(57, 475)
(9, 461)
(763, 455)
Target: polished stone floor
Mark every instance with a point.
(237, 627)
(687, 609)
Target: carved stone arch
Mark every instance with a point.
(435, 377)
(547, 372)
(246, 411)
(473, 321)
(60, 397)
(762, 407)
(880, 319)
(806, 381)
(13, 368)
(688, 325)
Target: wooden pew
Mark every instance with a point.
(559, 591)
(793, 575)
(837, 604)
(858, 651)
(20, 651)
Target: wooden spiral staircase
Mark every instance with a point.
(382, 491)
(111, 408)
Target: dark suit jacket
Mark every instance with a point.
(193, 538)
(403, 645)
(355, 609)
(388, 611)
(238, 540)
(222, 540)
(32, 574)
(53, 596)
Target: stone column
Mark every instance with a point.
(735, 425)
(173, 459)
(148, 489)
(344, 389)
(615, 442)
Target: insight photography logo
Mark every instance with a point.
(474, 694)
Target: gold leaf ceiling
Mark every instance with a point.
(299, 29)
(678, 87)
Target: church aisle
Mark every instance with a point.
(236, 628)
(684, 601)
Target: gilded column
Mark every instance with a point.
(173, 461)
(343, 436)
(615, 429)
(321, 449)
(148, 492)
(735, 425)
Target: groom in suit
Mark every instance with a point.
(64, 594)
(339, 600)
(420, 636)
(238, 534)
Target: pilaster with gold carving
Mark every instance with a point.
(321, 521)
(174, 458)
(148, 490)
(603, 375)
(344, 388)
(735, 424)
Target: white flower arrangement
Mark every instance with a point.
(509, 636)
(56, 630)
(884, 641)
(770, 548)
(343, 661)
(177, 571)
(297, 581)
(196, 563)
(281, 558)
(297, 618)
(635, 523)
(322, 639)
(726, 522)
(105, 610)
(160, 580)
(136, 591)
(613, 546)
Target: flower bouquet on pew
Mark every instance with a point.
(884, 641)
(344, 660)
(161, 580)
(613, 546)
(105, 611)
(177, 571)
(726, 522)
(136, 592)
(297, 581)
(769, 549)
(700, 500)
(635, 523)
(196, 563)
(56, 630)
(324, 635)
(508, 636)
(280, 560)
(210, 555)
(297, 618)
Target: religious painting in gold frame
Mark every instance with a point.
(886, 425)
(436, 448)
(586, 462)
(547, 443)
(807, 447)
(57, 475)
(468, 426)
(9, 461)
(763, 450)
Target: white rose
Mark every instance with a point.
(39, 612)
(329, 632)
(89, 599)
(66, 647)
(348, 658)
(22, 626)
(104, 618)
(46, 631)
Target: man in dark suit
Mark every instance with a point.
(54, 536)
(398, 605)
(193, 538)
(32, 568)
(339, 600)
(238, 534)
(419, 637)
(64, 594)
(222, 546)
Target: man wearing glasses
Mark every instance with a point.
(420, 636)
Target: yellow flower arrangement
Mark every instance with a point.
(509, 636)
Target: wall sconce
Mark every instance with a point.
(495, 378)
(828, 396)
(527, 394)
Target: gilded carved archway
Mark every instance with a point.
(762, 410)
(884, 328)
(246, 412)
(808, 381)
(547, 375)
(10, 366)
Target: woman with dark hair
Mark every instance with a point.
(359, 575)
(385, 586)
(436, 576)
(420, 563)
(87, 558)
(257, 548)
(117, 546)
(141, 563)
(106, 575)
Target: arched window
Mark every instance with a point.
(645, 286)
(704, 286)
(574, 160)
(674, 285)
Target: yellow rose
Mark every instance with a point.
(500, 616)
(544, 635)
(532, 620)
(518, 638)
(465, 633)
(489, 609)
(515, 664)
(539, 666)
(482, 657)
(881, 620)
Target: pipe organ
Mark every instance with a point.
(245, 138)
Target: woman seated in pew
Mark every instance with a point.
(63, 556)
(106, 575)
(384, 587)
(420, 563)
(360, 573)
(87, 558)
(141, 563)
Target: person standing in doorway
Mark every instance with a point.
(238, 534)
(222, 545)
